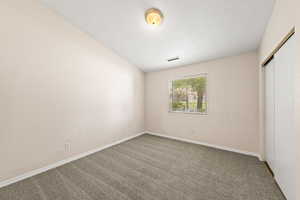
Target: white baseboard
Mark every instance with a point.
(206, 144)
(62, 162)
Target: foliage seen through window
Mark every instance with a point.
(189, 95)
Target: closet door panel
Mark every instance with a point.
(285, 137)
(269, 115)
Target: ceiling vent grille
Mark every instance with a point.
(173, 59)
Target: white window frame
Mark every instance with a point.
(170, 99)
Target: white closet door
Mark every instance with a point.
(285, 136)
(270, 115)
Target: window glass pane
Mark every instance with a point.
(179, 102)
(189, 95)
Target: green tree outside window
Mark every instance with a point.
(189, 95)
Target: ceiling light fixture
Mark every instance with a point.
(153, 16)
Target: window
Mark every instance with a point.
(189, 95)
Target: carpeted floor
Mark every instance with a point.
(152, 168)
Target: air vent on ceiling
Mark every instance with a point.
(173, 59)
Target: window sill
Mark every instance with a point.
(193, 113)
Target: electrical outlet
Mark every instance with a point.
(67, 147)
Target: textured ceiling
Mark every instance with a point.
(194, 30)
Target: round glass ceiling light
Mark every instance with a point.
(153, 16)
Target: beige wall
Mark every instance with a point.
(57, 86)
(232, 119)
(285, 16)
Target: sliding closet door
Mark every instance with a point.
(285, 136)
(270, 115)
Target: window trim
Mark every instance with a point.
(170, 99)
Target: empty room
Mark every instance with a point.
(149, 100)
